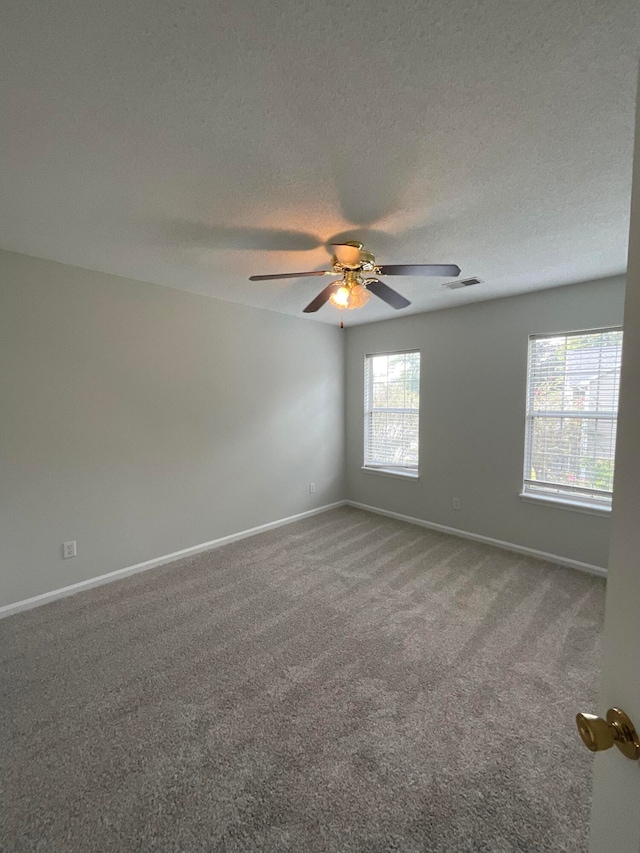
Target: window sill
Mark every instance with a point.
(565, 503)
(391, 472)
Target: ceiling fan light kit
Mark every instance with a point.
(352, 262)
(350, 292)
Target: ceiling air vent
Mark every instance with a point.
(464, 282)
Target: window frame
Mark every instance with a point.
(405, 472)
(574, 498)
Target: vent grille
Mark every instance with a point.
(464, 282)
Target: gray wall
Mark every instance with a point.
(473, 379)
(140, 420)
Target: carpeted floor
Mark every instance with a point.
(346, 683)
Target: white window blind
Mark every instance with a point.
(392, 407)
(572, 409)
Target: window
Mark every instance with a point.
(392, 405)
(572, 407)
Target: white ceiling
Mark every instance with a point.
(193, 143)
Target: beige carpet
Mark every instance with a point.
(346, 683)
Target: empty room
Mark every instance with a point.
(319, 445)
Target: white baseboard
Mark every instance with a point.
(46, 597)
(487, 540)
(53, 595)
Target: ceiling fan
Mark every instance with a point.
(354, 264)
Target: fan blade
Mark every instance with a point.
(386, 293)
(321, 298)
(288, 275)
(420, 269)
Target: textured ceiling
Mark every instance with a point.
(193, 143)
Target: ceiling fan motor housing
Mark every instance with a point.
(364, 261)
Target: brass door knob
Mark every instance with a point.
(598, 734)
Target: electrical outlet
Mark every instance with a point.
(456, 503)
(312, 488)
(69, 549)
